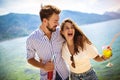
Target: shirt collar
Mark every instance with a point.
(53, 36)
(41, 31)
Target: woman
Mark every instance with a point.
(77, 52)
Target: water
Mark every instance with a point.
(101, 34)
(13, 64)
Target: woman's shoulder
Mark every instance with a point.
(64, 44)
(89, 46)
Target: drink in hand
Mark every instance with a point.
(107, 52)
(50, 75)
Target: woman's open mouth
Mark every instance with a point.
(70, 34)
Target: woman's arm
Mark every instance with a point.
(99, 58)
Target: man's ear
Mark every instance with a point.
(44, 20)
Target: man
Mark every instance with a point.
(46, 42)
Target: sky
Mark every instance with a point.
(33, 6)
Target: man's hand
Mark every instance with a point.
(49, 66)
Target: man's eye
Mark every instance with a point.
(55, 22)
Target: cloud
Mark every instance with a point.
(21, 6)
(33, 6)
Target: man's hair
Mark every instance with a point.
(47, 11)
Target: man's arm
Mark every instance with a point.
(35, 63)
(49, 66)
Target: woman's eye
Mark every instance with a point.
(72, 27)
(67, 28)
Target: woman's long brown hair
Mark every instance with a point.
(79, 37)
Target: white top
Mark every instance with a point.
(82, 59)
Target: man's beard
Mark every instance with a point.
(51, 29)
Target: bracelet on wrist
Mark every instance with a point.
(103, 58)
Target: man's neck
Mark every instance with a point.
(46, 31)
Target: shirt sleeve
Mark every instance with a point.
(92, 51)
(30, 49)
(63, 50)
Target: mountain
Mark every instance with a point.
(16, 25)
(113, 15)
(118, 11)
(84, 18)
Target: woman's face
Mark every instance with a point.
(68, 31)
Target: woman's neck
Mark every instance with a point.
(70, 42)
(71, 46)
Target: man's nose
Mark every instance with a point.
(57, 23)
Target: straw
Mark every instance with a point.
(114, 38)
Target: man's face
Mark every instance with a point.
(52, 23)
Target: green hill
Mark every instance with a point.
(16, 25)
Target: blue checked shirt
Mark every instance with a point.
(38, 43)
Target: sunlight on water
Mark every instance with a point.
(14, 65)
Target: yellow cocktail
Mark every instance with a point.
(107, 52)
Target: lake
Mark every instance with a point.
(101, 34)
(14, 66)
